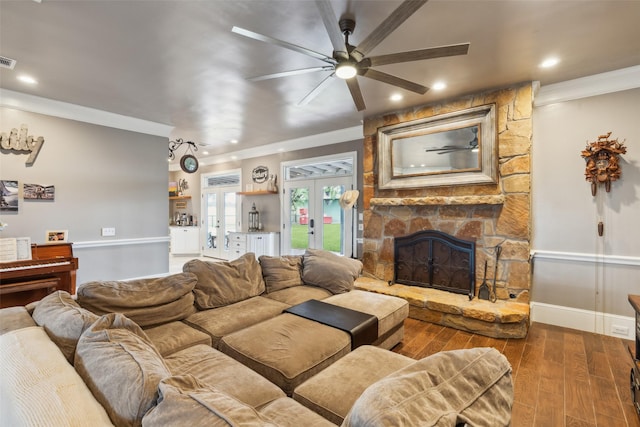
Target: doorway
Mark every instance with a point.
(312, 216)
(220, 212)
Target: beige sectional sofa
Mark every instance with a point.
(211, 346)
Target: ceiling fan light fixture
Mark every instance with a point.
(346, 70)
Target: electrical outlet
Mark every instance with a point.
(619, 330)
(108, 231)
(360, 227)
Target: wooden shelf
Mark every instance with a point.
(256, 193)
(179, 197)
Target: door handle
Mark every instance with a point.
(311, 223)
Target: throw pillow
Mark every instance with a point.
(121, 368)
(148, 302)
(281, 272)
(223, 283)
(448, 388)
(330, 271)
(183, 400)
(63, 320)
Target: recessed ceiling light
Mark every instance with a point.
(549, 62)
(234, 157)
(205, 153)
(396, 97)
(234, 141)
(438, 86)
(27, 79)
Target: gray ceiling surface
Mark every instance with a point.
(177, 62)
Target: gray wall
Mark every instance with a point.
(577, 268)
(269, 206)
(103, 177)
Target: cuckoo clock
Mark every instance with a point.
(602, 161)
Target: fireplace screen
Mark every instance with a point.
(434, 259)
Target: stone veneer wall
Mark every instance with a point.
(490, 214)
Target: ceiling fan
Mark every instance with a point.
(347, 60)
(472, 145)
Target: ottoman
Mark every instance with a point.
(287, 349)
(391, 312)
(354, 372)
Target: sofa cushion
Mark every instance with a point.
(215, 368)
(225, 320)
(330, 271)
(223, 283)
(12, 318)
(148, 302)
(63, 320)
(286, 412)
(175, 336)
(184, 401)
(39, 387)
(281, 272)
(448, 388)
(299, 294)
(355, 372)
(121, 367)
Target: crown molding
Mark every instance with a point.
(65, 110)
(584, 87)
(318, 140)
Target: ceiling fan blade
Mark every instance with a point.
(393, 80)
(317, 90)
(286, 45)
(418, 55)
(290, 73)
(356, 93)
(393, 21)
(333, 29)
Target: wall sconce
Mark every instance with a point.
(188, 162)
(602, 161)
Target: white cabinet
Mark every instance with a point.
(185, 240)
(256, 242)
(237, 244)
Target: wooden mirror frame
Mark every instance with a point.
(483, 116)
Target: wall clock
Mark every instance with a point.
(189, 163)
(602, 161)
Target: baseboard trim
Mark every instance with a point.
(121, 242)
(582, 320)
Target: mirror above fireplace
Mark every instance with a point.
(457, 148)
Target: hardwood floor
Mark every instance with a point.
(562, 377)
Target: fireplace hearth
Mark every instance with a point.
(433, 259)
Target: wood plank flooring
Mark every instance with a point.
(562, 377)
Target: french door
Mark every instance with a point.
(312, 216)
(220, 212)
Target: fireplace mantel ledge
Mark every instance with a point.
(495, 199)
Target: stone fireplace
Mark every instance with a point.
(488, 214)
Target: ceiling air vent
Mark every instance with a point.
(7, 62)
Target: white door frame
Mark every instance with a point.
(350, 231)
(221, 251)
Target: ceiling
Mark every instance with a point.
(177, 62)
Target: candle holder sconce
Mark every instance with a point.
(602, 161)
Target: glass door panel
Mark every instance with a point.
(314, 218)
(212, 224)
(299, 226)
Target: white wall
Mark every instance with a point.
(103, 177)
(574, 268)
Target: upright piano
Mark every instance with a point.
(52, 267)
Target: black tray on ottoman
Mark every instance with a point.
(362, 327)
